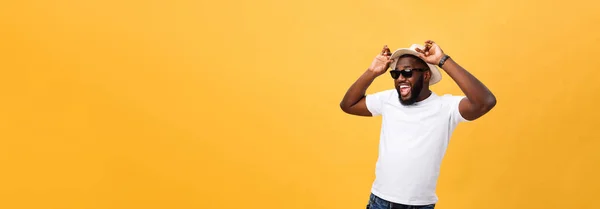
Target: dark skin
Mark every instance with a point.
(354, 101)
(410, 62)
(479, 99)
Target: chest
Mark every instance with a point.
(417, 120)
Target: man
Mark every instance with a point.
(416, 123)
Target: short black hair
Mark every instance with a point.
(418, 60)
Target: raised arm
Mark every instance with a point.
(354, 100)
(479, 99)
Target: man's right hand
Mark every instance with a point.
(381, 62)
(354, 101)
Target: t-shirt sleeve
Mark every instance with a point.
(375, 102)
(455, 115)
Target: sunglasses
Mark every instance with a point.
(406, 73)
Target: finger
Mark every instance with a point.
(427, 47)
(385, 48)
(423, 52)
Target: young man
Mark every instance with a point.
(416, 123)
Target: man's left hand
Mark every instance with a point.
(432, 53)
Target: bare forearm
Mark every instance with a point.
(357, 91)
(477, 93)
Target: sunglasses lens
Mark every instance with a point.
(395, 74)
(405, 73)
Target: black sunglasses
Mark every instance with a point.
(406, 73)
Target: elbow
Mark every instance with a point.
(344, 108)
(480, 108)
(347, 108)
(489, 103)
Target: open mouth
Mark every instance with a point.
(404, 90)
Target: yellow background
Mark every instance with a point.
(234, 104)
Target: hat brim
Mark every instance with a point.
(436, 76)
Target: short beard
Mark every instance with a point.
(414, 93)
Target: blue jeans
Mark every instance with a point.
(378, 203)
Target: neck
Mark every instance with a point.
(424, 94)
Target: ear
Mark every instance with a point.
(427, 76)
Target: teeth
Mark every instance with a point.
(403, 86)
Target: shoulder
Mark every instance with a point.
(383, 95)
(376, 102)
(452, 104)
(386, 92)
(450, 101)
(450, 98)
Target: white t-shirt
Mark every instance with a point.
(413, 141)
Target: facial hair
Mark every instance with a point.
(414, 93)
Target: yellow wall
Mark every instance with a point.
(234, 104)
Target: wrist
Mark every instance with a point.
(371, 74)
(445, 58)
(449, 62)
